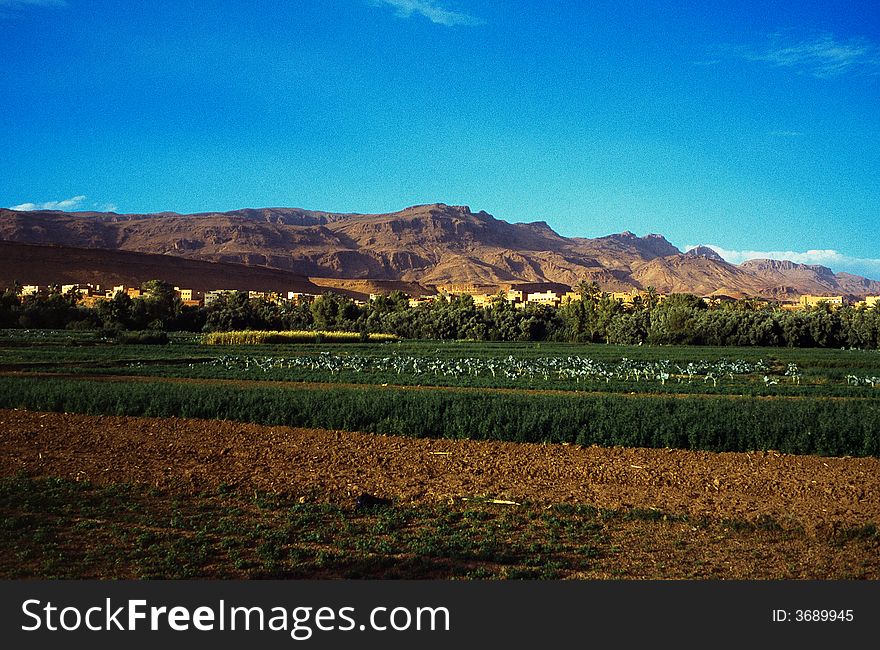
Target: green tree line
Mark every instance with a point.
(680, 319)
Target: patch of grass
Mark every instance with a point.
(139, 533)
(54, 528)
(259, 337)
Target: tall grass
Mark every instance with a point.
(256, 337)
(831, 427)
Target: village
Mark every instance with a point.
(91, 294)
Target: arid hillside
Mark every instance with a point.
(44, 265)
(429, 244)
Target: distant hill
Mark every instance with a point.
(704, 251)
(434, 244)
(43, 265)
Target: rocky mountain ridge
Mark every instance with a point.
(433, 244)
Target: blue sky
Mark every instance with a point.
(749, 127)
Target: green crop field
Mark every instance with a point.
(816, 402)
(528, 366)
(719, 399)
(832, 427)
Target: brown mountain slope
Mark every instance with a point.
(788, 279)
(426, 244)
(697, 275)
(44, 265)
(430, 244)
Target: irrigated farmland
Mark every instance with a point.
(499, 460)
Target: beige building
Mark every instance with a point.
(81, 289)
(814, 301)
(184, 294)
(869, 302)
(211, 296)
(626, 297)
(299, 298)
(544, 298)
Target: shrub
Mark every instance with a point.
(147, 337)
(257, 337)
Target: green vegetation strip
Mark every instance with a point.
(826, 427)
(55, 528)
(257, 337)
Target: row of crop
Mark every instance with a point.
(571, 367)
(825, 427)
(197, 369)
(257, 337)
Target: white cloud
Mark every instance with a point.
(65, 204)
(835, 260)
(821, 56)
(430, 10)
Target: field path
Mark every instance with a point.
(190, 455)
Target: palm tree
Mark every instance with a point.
(589, 290)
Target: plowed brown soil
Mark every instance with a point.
(814, 493)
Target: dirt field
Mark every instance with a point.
(813, 493)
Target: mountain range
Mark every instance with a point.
(418, 247)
